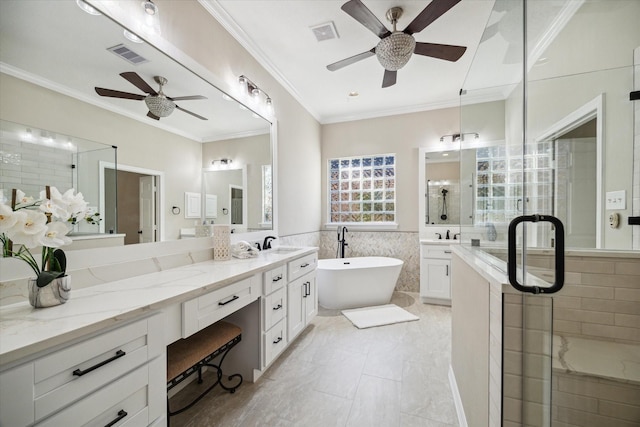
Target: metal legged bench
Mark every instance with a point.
(189, 355)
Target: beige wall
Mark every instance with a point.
(402, 135)
(32, 105)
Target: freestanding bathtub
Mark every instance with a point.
(357, 282)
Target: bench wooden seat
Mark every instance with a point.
(189, 355)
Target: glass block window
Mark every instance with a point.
(267, 195)
(362, 189)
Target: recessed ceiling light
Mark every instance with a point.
(134, 38)
(90, 10)
(149, 7)
(353, 94)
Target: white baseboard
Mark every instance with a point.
(462, 420)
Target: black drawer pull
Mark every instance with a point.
(275, 279)
(235, 297)
(80, 372)
(277, 307)
(278, 340)
(304, 265)
(121, 414)
(447, 252)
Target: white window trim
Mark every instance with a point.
(363, 226)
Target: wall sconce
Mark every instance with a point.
(254, 91)
(456, 137)
(224, 163)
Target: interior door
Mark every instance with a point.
(148, 228)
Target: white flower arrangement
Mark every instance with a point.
(45, 222)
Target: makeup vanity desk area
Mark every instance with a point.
(101, 357)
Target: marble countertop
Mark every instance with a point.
(25, 330)
(439, 242)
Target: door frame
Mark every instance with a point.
(144, 171)
(593, 109)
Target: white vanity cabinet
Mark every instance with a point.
(118, 374)
(274, 314)
(207, 309)
(435, 273)
(302, 293)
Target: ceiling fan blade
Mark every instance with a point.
(358, 11)
(186, 98)
(153, 116)
(192, 113)
(440, 51)
(351, 60)
(117, 94)
(389, 78)
(433, 11)
(137, 81)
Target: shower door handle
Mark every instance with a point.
(559, 255)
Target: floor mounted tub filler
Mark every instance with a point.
(357, 282)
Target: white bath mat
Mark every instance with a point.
(379, 315)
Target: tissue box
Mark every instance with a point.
(221, 242)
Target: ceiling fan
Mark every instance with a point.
(159, 104)
(396, 47)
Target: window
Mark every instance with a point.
(267, 196)
(362, 189)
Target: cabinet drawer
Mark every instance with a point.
(301, 266)
(203, 311)
(125, 399)
(275, 279)
(275, 340)
(275, 308)
(436, 251)
(70, 374)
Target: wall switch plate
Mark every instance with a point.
(616, 200)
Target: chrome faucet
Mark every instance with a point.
(267, 242)
(341, 240)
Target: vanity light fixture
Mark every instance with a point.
(224, 163)
(90, 10)
(254, 91)
(456, 137)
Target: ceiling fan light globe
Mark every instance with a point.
(394, 51)
(159, 106)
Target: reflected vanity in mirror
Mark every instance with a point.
(49, 72)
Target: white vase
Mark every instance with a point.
(55, 293)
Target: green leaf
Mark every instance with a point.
(47, 277)
(61, 258)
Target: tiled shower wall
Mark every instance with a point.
(396, 244)
(26, 166)
(600, 299)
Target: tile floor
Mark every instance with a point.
(337, 375)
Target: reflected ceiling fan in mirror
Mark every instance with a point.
(159, 104)
(396, 47)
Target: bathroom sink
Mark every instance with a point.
(440, 241)
(282, 250)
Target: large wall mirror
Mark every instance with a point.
(53, 56)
